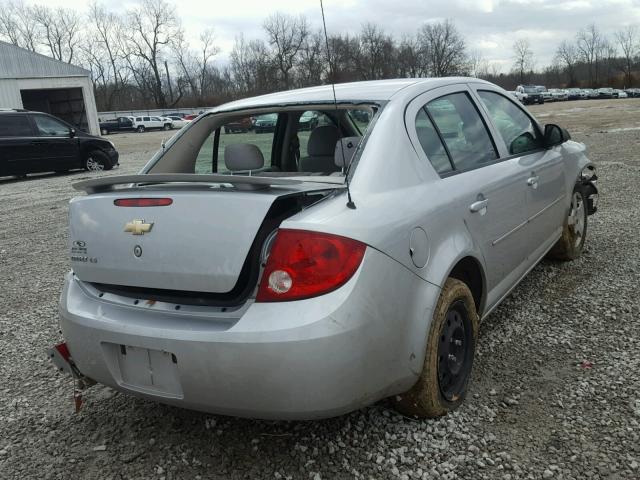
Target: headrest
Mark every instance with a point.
(345, 149)
(243, 156)
(322, 141)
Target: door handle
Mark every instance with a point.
(533, 181)
(478, 206)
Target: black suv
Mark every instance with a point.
(32, 142)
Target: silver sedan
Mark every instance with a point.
(305, 274)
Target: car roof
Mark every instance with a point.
(353, 92)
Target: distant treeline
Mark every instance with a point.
(140, 58)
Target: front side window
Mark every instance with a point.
(50, 127)
(463, 131)
(515, 127)
(14, 126)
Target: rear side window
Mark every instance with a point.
(14, 126)
(464, 133)
(515, 127)
(431, 143)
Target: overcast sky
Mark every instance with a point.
(490, 26)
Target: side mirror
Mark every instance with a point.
(555, 135)
(72, 132)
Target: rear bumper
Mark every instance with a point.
(308, 359)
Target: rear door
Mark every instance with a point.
(17, 147)
(545, 182)
(55, 148)
(483, 190)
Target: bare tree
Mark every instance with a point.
(629, 45)
(567, 57)
(152, 25)
(195, 67)
(588, 43)
(409, 59)
(286, 35)
(252, 67)
(313, 60)
(374, 55)
(104, 51)
(18, 25)
(60, 30)
(444, 48)
(523, 58)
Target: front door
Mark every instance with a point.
(545, 179)
(55, 149)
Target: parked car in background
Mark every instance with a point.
(620, 93)
(573, 94)
(265, 123)
(190, 116)
(529, 94)
(175, 114)
(34, 142)
(178, 122)
(633, 92)
(120, 124)
(593, 93)
(142, 124)
(558, 94)
(308, 121)
(584, 93)
(546, 94)
(605, 92)
(248, 280)
(242, 125)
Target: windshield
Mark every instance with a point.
(305, 146)
(530, 90)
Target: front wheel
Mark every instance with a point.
(140, 129)
(166, 127)
(451, 344)
(104, 131)
(97, 161)
(574, 230)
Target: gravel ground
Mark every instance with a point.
(555, 389)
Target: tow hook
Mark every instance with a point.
(61, 358)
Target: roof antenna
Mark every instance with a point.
(350, 203)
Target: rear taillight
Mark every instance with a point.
(305, 264)
(143, 202)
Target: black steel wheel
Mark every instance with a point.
(448, 361)
(455, 352)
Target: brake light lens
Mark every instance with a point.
(305, 264)
(143, 202)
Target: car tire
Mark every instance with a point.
(140, 129)
(96, 161)
(104, 131)
(574, 231)
(443, 381)
(166, 127)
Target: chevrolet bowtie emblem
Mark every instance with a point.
(138, 227)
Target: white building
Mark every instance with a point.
(35, 82)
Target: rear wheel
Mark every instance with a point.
(104, 131)
(446, 371)
(140, 129)
(97, 161)
(574, 231)
(167, 126)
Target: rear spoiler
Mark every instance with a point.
(243, 182)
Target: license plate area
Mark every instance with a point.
(144, 370)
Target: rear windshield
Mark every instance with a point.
(278, 143)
